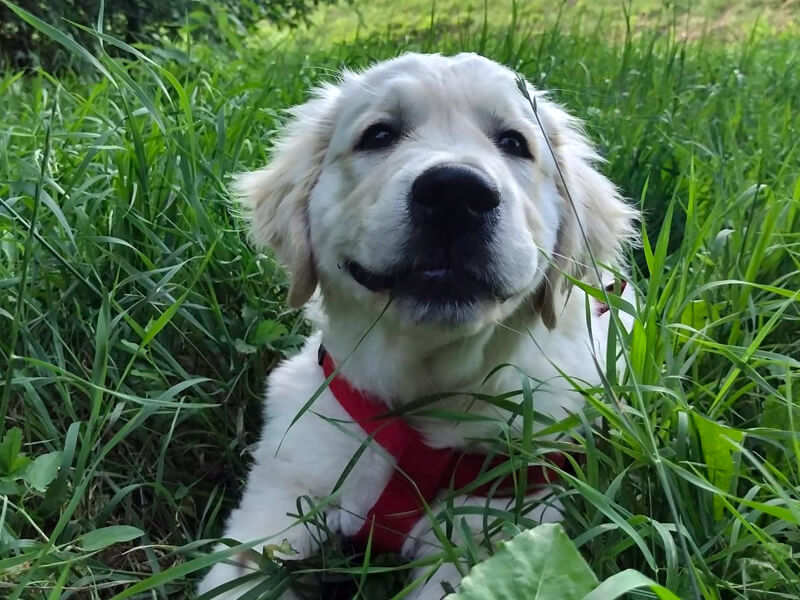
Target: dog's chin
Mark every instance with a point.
(449, 296)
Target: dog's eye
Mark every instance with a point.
(377, 137)
(513, 143)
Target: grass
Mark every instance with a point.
(723, 19)
(138, 325)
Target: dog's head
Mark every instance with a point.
(428, 180)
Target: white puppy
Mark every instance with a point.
(422, 199)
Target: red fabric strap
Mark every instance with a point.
(392, 433)
(421, 472)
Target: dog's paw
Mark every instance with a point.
(237, 567)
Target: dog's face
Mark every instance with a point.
(428, 182)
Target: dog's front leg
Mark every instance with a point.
(268, 509)
(302, 455)
(423, 543)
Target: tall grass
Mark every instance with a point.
(138, 325)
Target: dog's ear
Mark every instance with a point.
(596, 221)
(276, 197)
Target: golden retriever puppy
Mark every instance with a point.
(437, 209)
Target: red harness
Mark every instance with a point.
(421, 472)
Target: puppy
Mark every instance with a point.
(441, 211)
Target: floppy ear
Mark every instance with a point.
(596, 221)
(276, 197)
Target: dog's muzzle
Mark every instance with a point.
(445, 266)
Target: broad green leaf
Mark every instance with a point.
(718, 453)
(540, 563)
(267, 332)
(697, 314)
(12, 460)
(108, 536)
(41, 472)
(622, 583)
(243, 347)
(9, 488)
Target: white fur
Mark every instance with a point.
(319, 203)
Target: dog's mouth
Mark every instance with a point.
(445, 283)
(374, 282)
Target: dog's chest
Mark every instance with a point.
(324, 452)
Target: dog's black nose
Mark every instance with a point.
(452, 197)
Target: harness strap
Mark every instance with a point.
(421, 472)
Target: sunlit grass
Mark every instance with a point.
(143, 324)
(691, 20)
